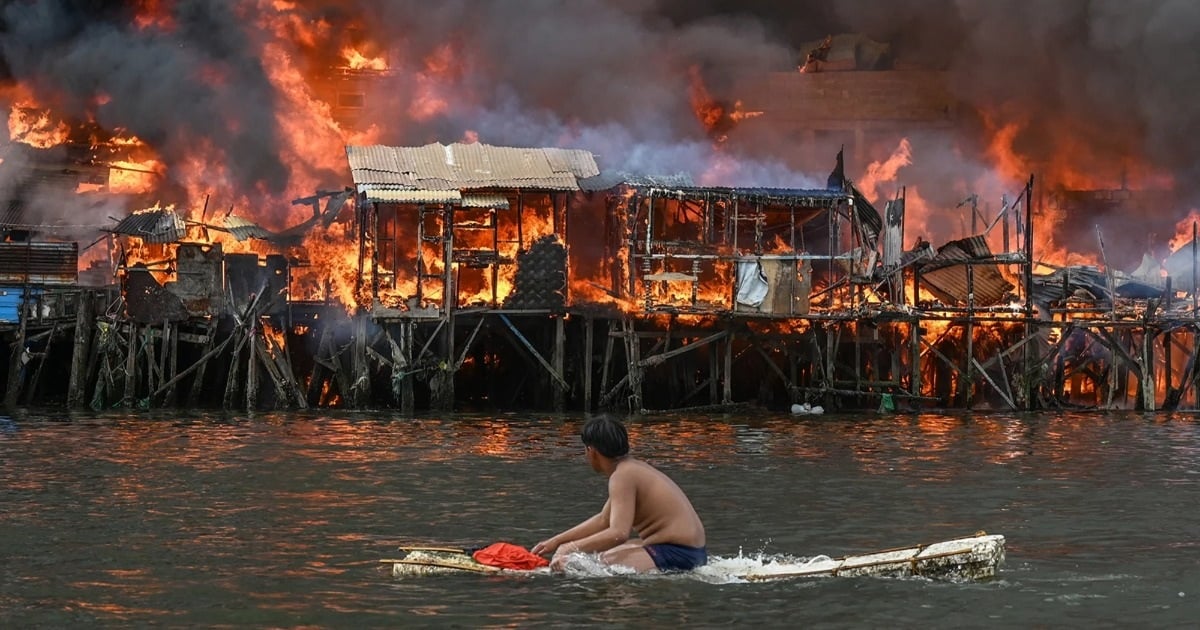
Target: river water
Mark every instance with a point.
(280, 520)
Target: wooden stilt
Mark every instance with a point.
(201, 366)
(727, 376)
(633, 348)
(33, 392)
(316, 380)
(361, 387)
(1149, 391)
(714, 374)
(17, 357)
(171, 364)
(407, 401)
(131, 371)
(605, 369)
(233, 382)
(589, 324)
(559, 357)
(267, 352)
(153, 376)
(84, 320)
(197, 367)
(252, 370)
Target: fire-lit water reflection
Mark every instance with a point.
(209, 520)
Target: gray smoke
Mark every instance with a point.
(197, 84)
(1110, 78)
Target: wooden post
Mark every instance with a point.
(589, 324)
(252, 370)
(316, 380)
(361, 387)
(560, 392)
(233, 382)
(32, 396)
(210, 332)
(1147, 361)
(171, 356)
(633, 352)
(151, 362)
(197, 366)
(970, 331)
(1026, 352)
(127, 397)
(608, 355)
(727, 383)
(266, 354)
(714, 373)
(84, 321)
(13, 393)
(408, 402)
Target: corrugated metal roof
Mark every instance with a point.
(39, 263)
(612, 179)
(816, 197)
(243, 229)
(392, 195)
(946, 275)
(485, 200)
(468, 166)
(155, 225)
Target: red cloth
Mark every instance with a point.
(509, 556)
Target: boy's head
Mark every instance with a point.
(607, 436)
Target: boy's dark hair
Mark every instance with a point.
(607, 436)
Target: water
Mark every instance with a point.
(279, 520)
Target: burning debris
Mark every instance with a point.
(151, 114)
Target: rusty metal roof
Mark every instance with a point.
(243, 229)
(485, 200)
(460, 167)
(39, 263)
(153, 225)
(415, 196)
(946, 274)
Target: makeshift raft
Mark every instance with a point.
(421, 561)
(970, 558)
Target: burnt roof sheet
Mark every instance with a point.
(155, 225)
(468, 166)
(243, 229)
(816, 197)
(612, 179)
(946, 274)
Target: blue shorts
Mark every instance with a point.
(669, 557)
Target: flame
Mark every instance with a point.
(885, 171)
(356, 60)
(36, 126)
(1184, 230)
(134, 177)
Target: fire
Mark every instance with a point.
(276, 338)
(717, 118)
(356, 60)
(134, 177)
(1184, 230)
(885, 171)
(35, 126)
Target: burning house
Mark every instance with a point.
(329, 202)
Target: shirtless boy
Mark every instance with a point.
(640, 498)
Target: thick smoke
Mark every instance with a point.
(197, 86)
(1103, 82)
